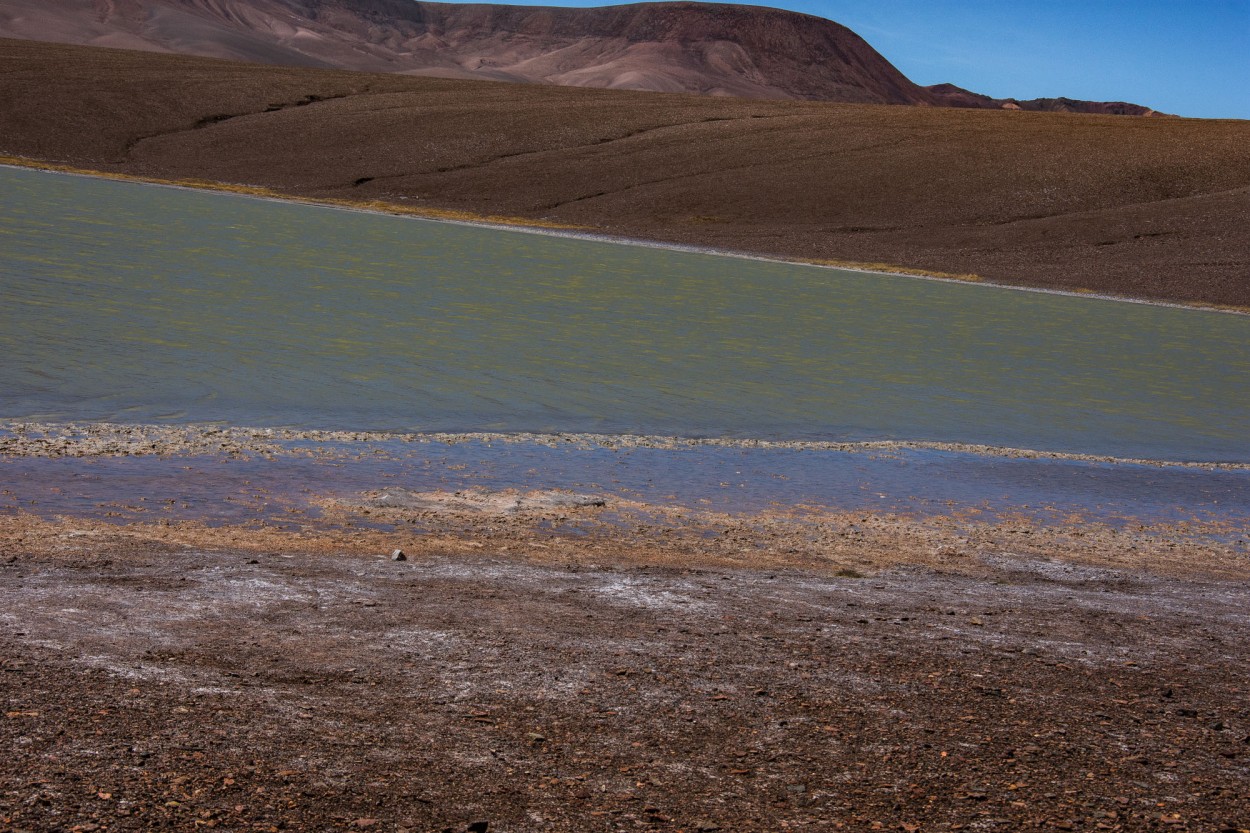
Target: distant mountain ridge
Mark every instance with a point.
(952, 96)
(704, 48)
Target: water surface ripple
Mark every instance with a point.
(131, 303)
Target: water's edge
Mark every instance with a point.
(22, 438)
(523, 225)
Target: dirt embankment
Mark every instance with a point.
(1151, 208)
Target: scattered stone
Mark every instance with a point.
(398, 555)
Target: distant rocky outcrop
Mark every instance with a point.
(706, 48)
(949, 95)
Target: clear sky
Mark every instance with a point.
(1187, 57)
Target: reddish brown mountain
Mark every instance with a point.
(708, 48)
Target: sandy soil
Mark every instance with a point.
(1149, 208)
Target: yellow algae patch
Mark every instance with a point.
(892, 268)
(452, 214)
(202, 184)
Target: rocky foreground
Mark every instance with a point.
(496, 681)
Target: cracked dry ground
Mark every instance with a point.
(147, 687)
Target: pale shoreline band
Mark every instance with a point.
(28, 438)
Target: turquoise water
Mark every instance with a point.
(131, 303)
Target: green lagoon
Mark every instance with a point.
(132, 303)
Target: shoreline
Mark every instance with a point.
(603, 531)
(538, 227)
(32, 438)
(855, 510)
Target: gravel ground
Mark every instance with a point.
(313, 683)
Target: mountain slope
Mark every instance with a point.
(706, 48)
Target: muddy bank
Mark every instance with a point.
(569, 498)
(206, 628)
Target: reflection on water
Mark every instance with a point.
(138, 304)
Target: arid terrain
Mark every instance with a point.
(216, 627)
(507, 678)
(1151, 208)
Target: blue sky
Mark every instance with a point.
(1188, 57)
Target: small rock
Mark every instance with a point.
(398, 555)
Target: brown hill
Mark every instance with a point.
(707, 48)
(1096, 202)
